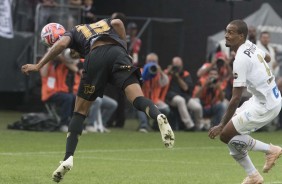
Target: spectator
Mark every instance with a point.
(134, 43)
(57, 88)
(99, 114)
(179, 94)
(75, 2)
(154, 83)
(88, 15)
(252, 34)
(211, 96)
(264, 44)
(49, 2)
(70, 16)
(222, 64)
(45, 15)
(117, 119)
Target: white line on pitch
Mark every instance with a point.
(113, 150)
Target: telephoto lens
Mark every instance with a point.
(153, 69)
(149, 71)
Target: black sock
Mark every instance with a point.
(144, 104)
(75, 130)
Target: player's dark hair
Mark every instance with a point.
(119, 15)
(242, 27)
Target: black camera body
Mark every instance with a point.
(213, 80)
(175, 69)
(219, 63)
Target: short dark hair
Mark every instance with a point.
(242, 27)
(119, 15)
(264, 32)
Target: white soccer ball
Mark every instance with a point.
(51, 32)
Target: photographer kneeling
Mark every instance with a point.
(155, 81)
(179, 95)
(211, 96)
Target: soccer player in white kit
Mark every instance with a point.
(249, 70)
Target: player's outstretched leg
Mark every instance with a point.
(270, 157)
(166, 131)
(147, 106)
(64, 167)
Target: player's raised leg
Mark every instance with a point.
(135, 96)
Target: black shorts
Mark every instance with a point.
(106, 64)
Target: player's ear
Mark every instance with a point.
(242, 36)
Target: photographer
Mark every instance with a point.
(179, 94)
(211, 96)
(154, 82)
(222, 63)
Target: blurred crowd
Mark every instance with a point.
(190, 104)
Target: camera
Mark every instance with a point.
(213, 80)
(153, 69)
(149, 71)
(219, 63)
(175, 69)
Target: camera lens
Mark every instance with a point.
(175, 69)
(219, 63)
(153, 69)
(213, 80)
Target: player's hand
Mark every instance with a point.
(215, 131)
(26, 69)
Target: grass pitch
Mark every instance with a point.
(124, 156)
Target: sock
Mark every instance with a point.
(246, 163)
(239, 152)
(147, 106)
(252, 144)
(75, 130)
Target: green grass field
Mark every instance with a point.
(124, 157)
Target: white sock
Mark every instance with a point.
(247, 164)
(251, 143)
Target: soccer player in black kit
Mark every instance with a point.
(103, 44)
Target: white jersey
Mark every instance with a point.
(270, 51)
(251, 70)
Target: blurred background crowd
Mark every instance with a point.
(186, 68)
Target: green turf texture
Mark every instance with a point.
(124, 156)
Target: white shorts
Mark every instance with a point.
(250, 117)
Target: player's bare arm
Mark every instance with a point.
(54, 51)
(119, 28)
(267, 58)
(233, 104)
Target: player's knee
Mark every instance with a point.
(76, 123)
(224, 137)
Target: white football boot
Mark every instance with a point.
(64, 167)
(166, 131)
(270, 158)
(255, 178)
